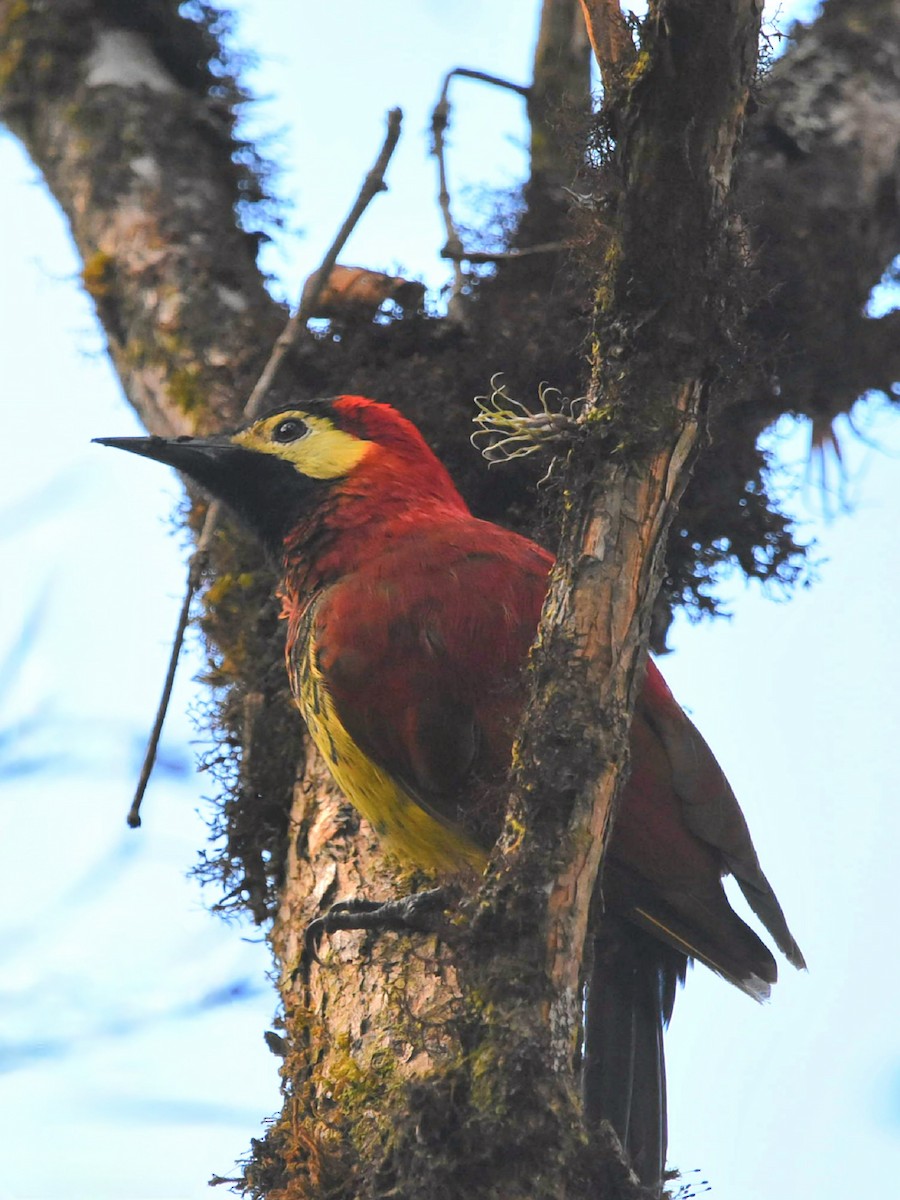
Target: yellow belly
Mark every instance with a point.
(408, 829)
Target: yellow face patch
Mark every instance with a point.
(319, 449)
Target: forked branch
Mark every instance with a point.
(440, 118)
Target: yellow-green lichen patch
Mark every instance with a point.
(13, 41)
(98, 274)
(186, 389)
(638, 68)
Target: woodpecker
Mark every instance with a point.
(409, 623)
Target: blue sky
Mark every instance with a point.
(116, 1014)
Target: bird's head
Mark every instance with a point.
(283, 467)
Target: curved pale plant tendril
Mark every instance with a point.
(507, 429)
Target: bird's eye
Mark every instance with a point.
(290, 430)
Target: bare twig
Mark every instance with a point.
(440, 119)
(495, 80)
(195, 572)
(453, 247)
(610, 38)
(372, 185)
(490, 256)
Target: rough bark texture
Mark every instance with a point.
(408, 1063)
(121, 122)
(674, 158)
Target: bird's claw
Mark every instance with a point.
(412, 914)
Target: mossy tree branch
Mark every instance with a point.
(655, 355)
(115, 109)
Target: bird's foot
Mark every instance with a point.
(416, 913)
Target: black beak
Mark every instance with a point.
(210, 462)
(263, 490)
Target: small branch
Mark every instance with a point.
(194, 573)
(372, 185)
(453, 247)
(610, 39)
(440, 119)
(495, 80)
(489, 256)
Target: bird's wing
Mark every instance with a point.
(422, 653)
(709, 807)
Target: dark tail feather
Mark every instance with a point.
(629, 999)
